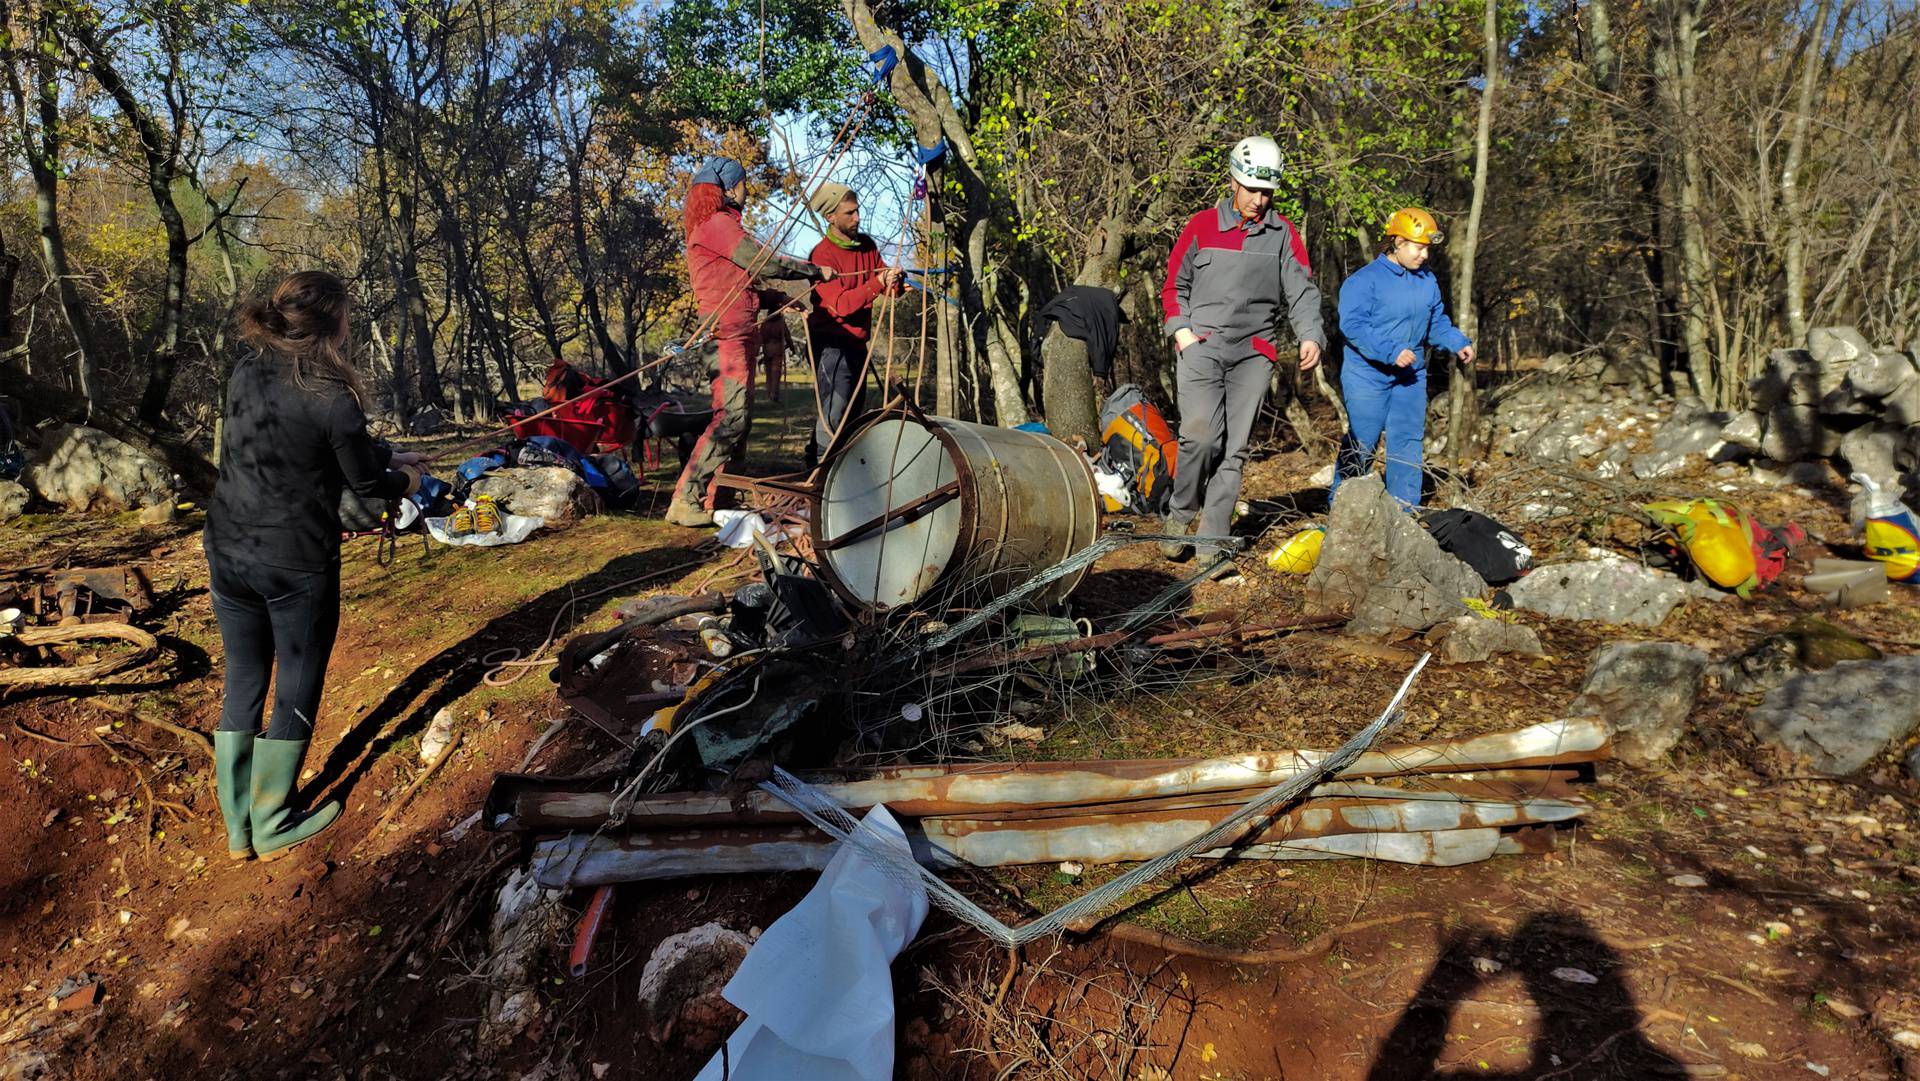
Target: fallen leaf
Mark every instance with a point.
(1842, 1008)
(1747, 1050)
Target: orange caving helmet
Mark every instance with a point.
(1416, 225)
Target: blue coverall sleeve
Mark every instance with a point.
(1358, 321)
(1440, 330)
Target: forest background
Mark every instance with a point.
(1684, 184)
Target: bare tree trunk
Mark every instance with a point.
(161, 151)
(230, 281)
(1461, 395)
(1066, 380)
(43, 157)
(536, 289)
(1792, 203)
(946, 377)
(413, 302)
(930, 108)
(9, 273)
(401, 384)
(1465, 314)
(573, 145)
(1602, 59)
(1676, 40)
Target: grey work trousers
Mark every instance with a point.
(1220, 386)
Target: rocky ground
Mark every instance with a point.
(1739, 902)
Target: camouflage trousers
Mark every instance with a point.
(726, 436)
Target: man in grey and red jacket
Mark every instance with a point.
(1235, 268)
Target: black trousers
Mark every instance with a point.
(837, 368)
(274, 618)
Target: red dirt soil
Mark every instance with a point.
(268, 971)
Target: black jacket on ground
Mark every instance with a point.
(285, 455)
(1091, 314)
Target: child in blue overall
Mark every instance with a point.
(1391, 313)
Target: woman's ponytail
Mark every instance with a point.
(304, 320)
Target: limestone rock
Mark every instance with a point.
(1644, 691)
(1470, 639)
(1808, 644)
(1836, 348)
(1636, 371)
(1879, 375)
(526, 918)
(1902, 407)
(680, 987)
(1381, 566)
(13, 500)
(1686, 409)
(1323, 478)
(1814, 474)
(1563, 439)
(1664, 463)
(159, 512)
(1608, 590)
(1844, 717)
(1848, 406)
(1790, 378)
(549, 492)
(85, 469)
(1744, 430)
(1872, 450)
(1796, 432)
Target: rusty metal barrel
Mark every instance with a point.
(910, 503)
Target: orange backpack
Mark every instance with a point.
(1139, 445)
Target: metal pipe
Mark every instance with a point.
(517, 803)
(1127, 837)
(584, 860)
(1114, 638)
(1547, 786)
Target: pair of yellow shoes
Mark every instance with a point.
(482, 517)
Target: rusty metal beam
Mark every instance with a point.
(1523, 786)
(578, 860)
(1131, 837)
(918, 791)
(909, 511)
(1221, 629)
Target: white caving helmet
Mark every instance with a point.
(1255, 162)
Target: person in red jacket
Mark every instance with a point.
(722, 261)
(775, 341)
(842, 317)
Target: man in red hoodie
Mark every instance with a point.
(842, 317)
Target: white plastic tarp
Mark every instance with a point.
(514, 528)
(737, 528)
(817, 987)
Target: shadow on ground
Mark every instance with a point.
(1586, 1030)
(450, 674)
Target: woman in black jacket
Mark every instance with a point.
(295, 435)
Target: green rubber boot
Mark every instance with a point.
(233, 779)
(276, 826)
